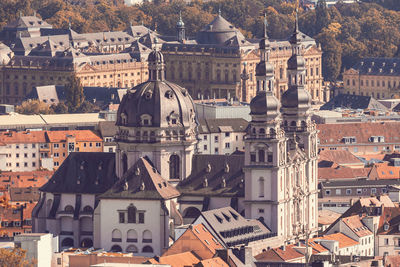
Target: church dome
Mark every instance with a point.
(218, 32)
(157, 102)
(264, 103)
(296, 98)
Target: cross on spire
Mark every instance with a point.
(265, 25)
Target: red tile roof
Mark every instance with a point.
(327, 217)
(341, 157)
(287, 254)
(80, 136)
(385, 171)
(177, 260)
(342, 173)
(333, 133)
(24, 137)
(201, 232)
(356, 225)
(344, 240)
(214, 262)
(25, 179)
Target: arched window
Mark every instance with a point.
(261, 187)
(191, 213)
(262, 132)
(132, 236)
(147, 237)
(116, 248)
(147, 249)
(174, 165)
(67, 242)
(87, 243)
(261, 155)
(125, 163)
(69, 209)
(132, 214)
(116, 236)
(88, 209)
(132, 249)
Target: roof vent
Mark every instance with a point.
(126, 186)
(137, 171)
(142, 187)
(223, 183)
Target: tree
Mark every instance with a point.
(60, 108)
(322, 15)
(74, 94)
(14, 258)
(34, 106)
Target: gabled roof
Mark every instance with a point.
(343, 240)
(281, 254)
(353, 102)
(28, 22)
(222, 125)
(356, 225)
(232, 228)
(340, 157)
(83, 173)
(201, 232)
(343, 173)
(391, 217)
(22, 194)
(177, 260)
(213, 262)
(327, 217)
(217, 175)
(142, 181)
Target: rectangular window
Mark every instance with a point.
(90, 144)
(33, 164)
(205, 147)
(348, 191)
(338, 192)
(205, 137)
(121, 217)
(33, 155)
(328, 192)
(25, 155)
(253, 157)
(141, 217)
(56, 163)
(216, 139)
(17, 155)
(98, 144)
(56, 145)
(227, 134)
(227, 145)
(373, 190)
(56, 155)
(359, 191)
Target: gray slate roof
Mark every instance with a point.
(207, 126)
(216, 169)
(353, 102)
(142, 181)
(378, 66)
(83, 173)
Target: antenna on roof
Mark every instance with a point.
(219, 11)
(142, 22)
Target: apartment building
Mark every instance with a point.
(21, 150)
(62, 143)
(31, 150)
(360, 138)
(221, 136)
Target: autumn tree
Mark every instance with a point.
(33, 106)
(74, 94)
(14, 258)
(322, 17)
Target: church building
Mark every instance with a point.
(132, 201)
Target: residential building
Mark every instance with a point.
(221, 109)
(338, 158)
(376, 77)
(360, 138)
(108, 130)
(62, 143)
(38, 246)
(388, 232)
(22, 150)
(16, 219)
(221, 136)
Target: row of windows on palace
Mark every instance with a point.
(359, 191)
(356, 150)
(55, 145)
(382, 84)
(226, 74)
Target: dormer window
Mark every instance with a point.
(386, 227)
(349, 139)
(124, 118)
(145, 120)
(377, 139)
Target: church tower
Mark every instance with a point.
(157, 119)
(302, 143)
(180, 29)
(265, 147)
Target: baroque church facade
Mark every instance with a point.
(132, 200)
